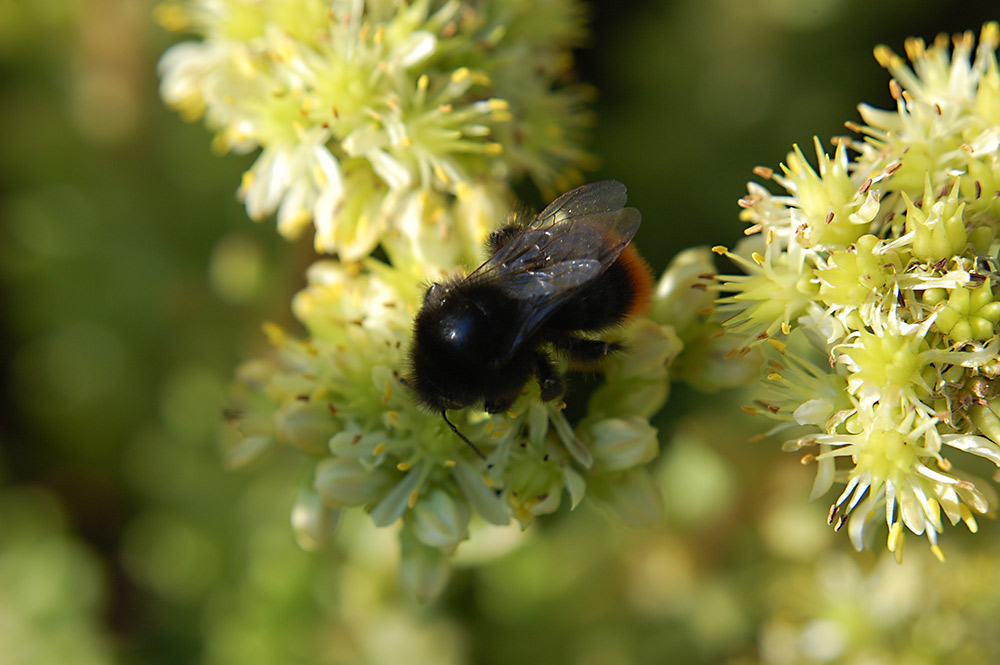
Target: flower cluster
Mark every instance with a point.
(338, 397)
(398, 126)
(871, 281)
(356, 105)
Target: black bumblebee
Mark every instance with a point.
(479, 339)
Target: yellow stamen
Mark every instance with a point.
(895, 540)
(777, 344)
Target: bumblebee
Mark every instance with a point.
(481, 338)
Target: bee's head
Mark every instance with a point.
(451, 335)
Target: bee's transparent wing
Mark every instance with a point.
(567, 246)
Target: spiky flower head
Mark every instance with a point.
(337, 396)
(872, 288)
(354, 105)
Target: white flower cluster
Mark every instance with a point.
(871, 282)
(356, 105)
(337, 396)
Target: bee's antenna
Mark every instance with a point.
(444, 414)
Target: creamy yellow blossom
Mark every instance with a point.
(873, 285)
(357, 105)
(338, 397)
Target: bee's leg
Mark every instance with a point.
(584, 350)
(549, 380)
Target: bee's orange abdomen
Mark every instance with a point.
(640, 279)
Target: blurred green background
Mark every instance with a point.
(131, 284)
